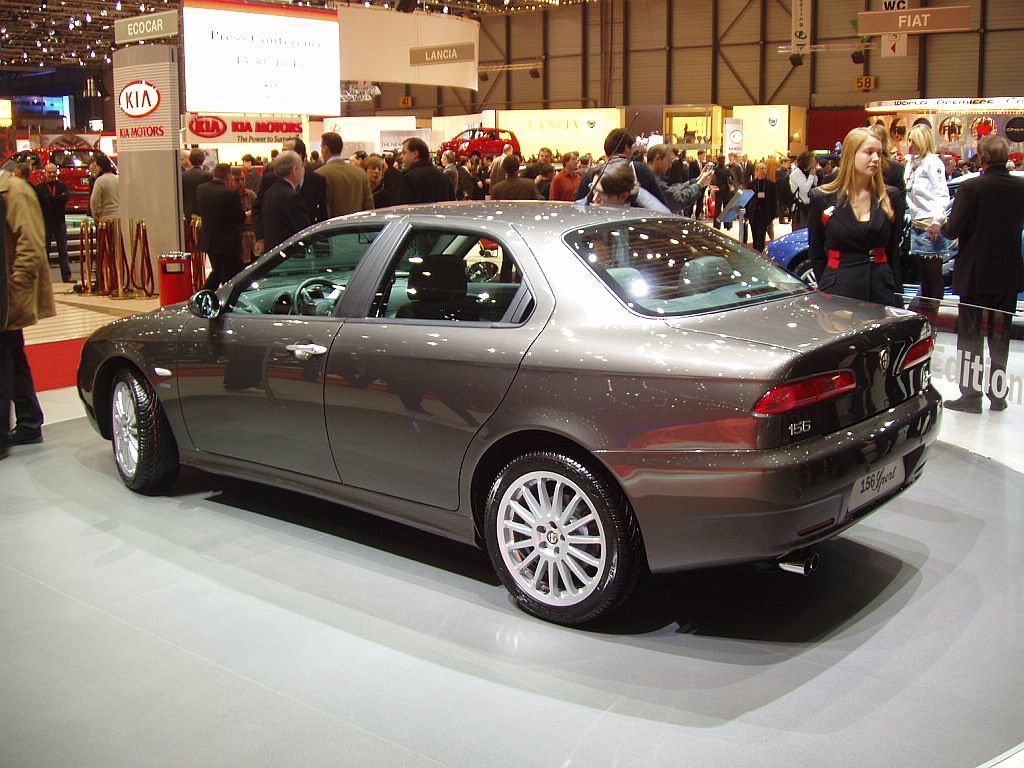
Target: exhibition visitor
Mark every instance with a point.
(802, 180)
(927, 200)
(26, 296)
(988, 218)
(854, 228)
(513, 186)
(220, 209)
(53, 198)
(283, 212)
(347, 184)
(422, 181)
(105, 199)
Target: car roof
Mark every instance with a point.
(550, 217)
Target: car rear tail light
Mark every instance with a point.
(804, 392)
(918, 353)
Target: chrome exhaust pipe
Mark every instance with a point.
(804, 564)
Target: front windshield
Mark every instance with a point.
(670, 266)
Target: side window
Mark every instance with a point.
(309, 277)
(448, 275)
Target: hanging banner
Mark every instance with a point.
(800, 37)
(213, 128)
(733, 136)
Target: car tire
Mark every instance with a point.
(145, 452)
(805, 272)
(562, 538)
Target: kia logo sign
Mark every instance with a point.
(207, 126)
(138, 98)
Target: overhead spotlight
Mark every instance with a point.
(796, 59)
(484, 77)
(535, 73)
(858, 57)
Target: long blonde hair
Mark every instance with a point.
(843, 182)
(923, 139)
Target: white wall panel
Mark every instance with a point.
(564, 30)
(741, 18)
(779, 22)
(1003, 52)
(646, 77)
(794, 90)
(691, 76)
(527, 42)
(492, 39)
(745, 60)
(648, 25)
(564, 81)
(832, 18)
(691, 23)
(1003, 14)
(951, 65)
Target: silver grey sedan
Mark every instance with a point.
(587, 393)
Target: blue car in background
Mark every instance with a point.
(791, 251)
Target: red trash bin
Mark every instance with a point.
(175, 277)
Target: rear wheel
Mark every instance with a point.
(144, 448)
(805, 272)
(562, 538)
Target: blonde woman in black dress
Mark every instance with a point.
(854, 226)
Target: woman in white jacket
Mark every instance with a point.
(927, 200)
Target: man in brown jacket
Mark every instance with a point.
(348, 187)
(28, 297)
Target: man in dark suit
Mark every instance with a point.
(53, 199)
(312, 190)
(284, 211)
(220, 209)
(988, 216)
(190, 181)
(422, 181)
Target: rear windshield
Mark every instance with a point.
(670, 267)
(72, 158)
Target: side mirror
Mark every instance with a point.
(204, 304)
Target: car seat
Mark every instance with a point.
(437, 291)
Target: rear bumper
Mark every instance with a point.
(704, 508)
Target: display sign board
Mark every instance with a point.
(919, 21)
(442, 54)
(801, 26)
(865, 82)
(261, 58)
(994, 104)
(146, 93)
(733, 136)
(893, 45)
(213, 128)
(149, 27)
(6, 113)
(382, 46)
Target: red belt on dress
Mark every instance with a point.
(876, 256)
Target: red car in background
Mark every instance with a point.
(72, 169)
(486, 142)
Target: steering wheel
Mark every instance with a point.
(481, 272)
(301, 297)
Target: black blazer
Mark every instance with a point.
(283, 214)
(313, 192)
(988, 214)
(425, 183)
(855, 240)
(190, 181)
(54, 204)
(221, 210)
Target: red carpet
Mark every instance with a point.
(55, 363)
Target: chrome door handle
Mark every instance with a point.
(306, 351)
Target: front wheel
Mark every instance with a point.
(563, 539)
(144, 448)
